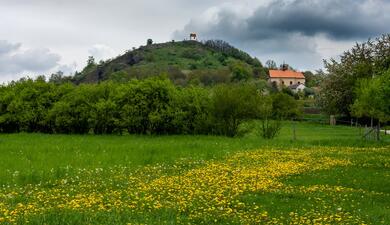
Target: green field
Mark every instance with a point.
(328, 175)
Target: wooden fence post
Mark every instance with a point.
(294, 131)
(332, 120)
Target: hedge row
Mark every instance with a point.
(151, 106)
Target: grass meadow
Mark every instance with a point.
(329, 175)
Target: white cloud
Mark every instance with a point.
(101, 52)
(15, 61)
(68, 69)
(6, 47)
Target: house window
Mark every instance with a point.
(299, 82)
(283, 82)
(291, 82)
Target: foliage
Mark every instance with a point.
(209, 77)
(150, 106)
(309, 92)
(273, 109)
(212, 58)
(119, 77)
(234, 104)
(373, 98)
(59, 78)
(271, 64)
(71, 114)
(240, 72)
(314, 79)
(269, 127)
(230, 51)
(363, 61)
(285, 107)
(147, 107)
(287, 91)
(26, 104)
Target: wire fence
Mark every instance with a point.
(365, 131)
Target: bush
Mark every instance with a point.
(151, 106)
(285, 107)
(193, 111)
(146, 106)
(240, 71)
(71, 114)
(210, 77)
(270, 128)
(25, 105)
(232, 105)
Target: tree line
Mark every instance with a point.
(150, 106)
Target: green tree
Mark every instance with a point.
(285, 107)
(30, 103)
(311, 79)
(147, 106)
(234, 104)
(192, 114)
(72, 113)
(104, 115)
(270, 64)
(270, 126)
(363, 61)
(91, 61)
(119, 76)
(373, 98)
(240, 72)
(8, 120)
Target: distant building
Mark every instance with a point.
(193, 37)
(297, 88)
(286, 77)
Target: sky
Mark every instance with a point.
(45, 36)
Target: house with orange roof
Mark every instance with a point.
(286, 77)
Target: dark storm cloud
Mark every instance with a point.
(104, 28)
(301, 31)
(338, 19)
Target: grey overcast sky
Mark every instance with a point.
(44, 36)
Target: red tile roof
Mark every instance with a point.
(285, 74)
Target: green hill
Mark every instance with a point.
(183, 62)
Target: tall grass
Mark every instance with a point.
(33, 158)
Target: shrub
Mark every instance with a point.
(240, 71)
(285, 107)
(72, 113)
(150, 106)
(233, 104)
(270, 128)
